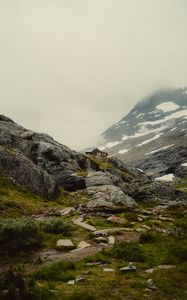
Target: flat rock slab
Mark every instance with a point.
(104, 232)
(159, 267)
(84, 225)
(83, 245)
(116, 219)
(128, 269)
(108, 270)
(66, 211)
(53, 255)
(63, 244)
(111, 240)
(101, 239)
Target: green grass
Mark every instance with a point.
(62, 271)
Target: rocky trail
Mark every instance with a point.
(103, 238)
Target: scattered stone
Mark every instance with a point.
(146, 227)
(63, 244)
(84, 225)
(132, 223)
(140, 219)
(107, 231)
(143, 217)
(108, 270)
(129, 268)
(151, 285)
(93, 264)
(71, 282)
(83, 245)
(162, 230)
(140, 229)
(115, 219)
(66, 211)
(165, 218)
(159, 267)
(80, 218)
(111, 240)
(103, 245)
(100, 239)
(79, 278)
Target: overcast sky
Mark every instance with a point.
(72, 68)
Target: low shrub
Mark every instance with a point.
(62, 271)
(56, 226)
(84, 295)
(128, 252)
(14, 286)
(179, 230)
(150, 237)
(18, 235)
(178, 251)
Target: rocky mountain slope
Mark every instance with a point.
(71, 225)
(153, 136)
(38, 163)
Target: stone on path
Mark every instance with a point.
(66, 211)
(71, 282)
(101, 239)
(64, 244)
(107, 231)
(116, 219)
(111, 240)
(84, 225)
(83, 245)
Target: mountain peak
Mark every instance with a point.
(157, 121)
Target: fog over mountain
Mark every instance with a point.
(72, 68)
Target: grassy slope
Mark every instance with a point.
(15, 202)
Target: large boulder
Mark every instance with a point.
(108, 197)
(21, 171)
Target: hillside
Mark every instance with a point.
(75, 227)
(152, 136)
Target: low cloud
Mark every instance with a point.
(72, 68)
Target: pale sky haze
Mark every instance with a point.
(71, 68)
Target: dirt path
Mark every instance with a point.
(53, 255)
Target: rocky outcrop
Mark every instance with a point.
(38, 163)
(108, 197)
(21, 171)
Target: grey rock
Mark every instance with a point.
(108, 196)
(98, 178)
(129, 268)
(83, 245)
(71, 282)
(111, 240)
(21, 171)
(105, 232)
(108, 270)
(64, 244)
(84, 225)
(151, 285)
(66, 211)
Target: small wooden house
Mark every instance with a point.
(98, 153)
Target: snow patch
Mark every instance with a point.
(167, 106)
(184, 165)
(178, 114)
(112, 144)
(157, 150)
(147, 141)
(123, 151)
(168, 177)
